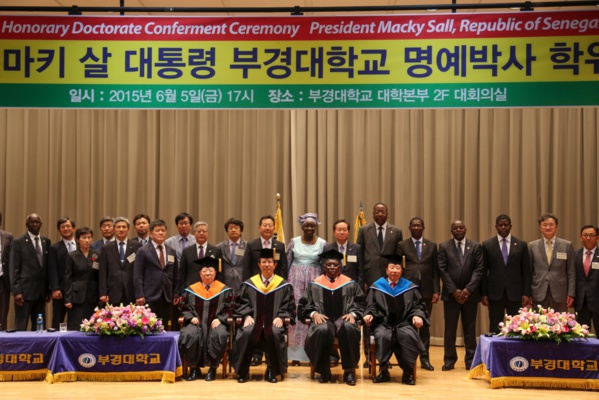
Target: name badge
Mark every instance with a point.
(239, 252)
(352, 258)
(96, 265)
(595, 265)
(277, 256)
(562, 256)
(171, 259)
(131, 258)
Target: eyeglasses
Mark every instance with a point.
(589, 235)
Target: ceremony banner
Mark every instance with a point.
(25, 355)
(462, 60)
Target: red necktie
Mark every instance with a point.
(587, 263)
(161, 253)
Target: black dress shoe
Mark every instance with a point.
(295, 363)
(350, 378)
(269, 377)
(256, 361)
(426, 365)
(383, 376)
(324, 378)
(243, 378)
(211, 375)
(195, 373)
(468, 367)
(408, 379)
(447, 367)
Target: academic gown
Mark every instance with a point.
(263, 304)
(393, 309)
(201, 344)
(333, 299)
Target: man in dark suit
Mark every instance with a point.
(553, 269)
(352, 262)
(107, 230)
(232, 253)
(156, 274)
(29, 274)
(189, 271)
(461, 267)
(506, 282)
(116, 266)
(423, 270)
(377, 240)
(266, 228)
(141, 224)
(587, 278)
(57, 260)
(5, 241)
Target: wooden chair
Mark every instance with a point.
(228, 348)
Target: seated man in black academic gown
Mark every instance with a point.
(395, 309)
(205, 306)
(335, 303)
(265, 300)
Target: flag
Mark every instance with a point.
(360, 221)
(279, 232)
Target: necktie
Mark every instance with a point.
(183, 244)
(380, 237)
(393, 285)
(233, 255)
(207, 287)
(69, 247)
(143, 242)
(587, 263)
(201, 253)
(549, 251)
(418, 249)
(332, 280)
(504, 250)
(122, 251)
(266, 282)
(38, 250)
(161, 253)
(459, 247)
(342, 249)
(266, 244)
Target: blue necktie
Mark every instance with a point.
(122, 252)
(233, 255)
(418, 249)
(504, 250)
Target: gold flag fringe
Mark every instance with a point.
(164, 376)
(31, 375)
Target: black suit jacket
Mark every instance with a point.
(5, 242)
(190, 271)
(374, 262)
(456, 275)
(515, 278)
(152, 281)
(116, 279)
(81, 278)
(424, 272)
(252, 256)
(587, 287)
(27, 276)
(57, 261)
(353, 269)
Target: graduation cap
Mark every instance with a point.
(331, 254)
(268, 253)
(207, 262)
(394, 259)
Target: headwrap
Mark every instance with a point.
(302, 219)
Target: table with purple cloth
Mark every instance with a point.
(526, 363)
(71, 356)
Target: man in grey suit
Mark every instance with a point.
(189, 271)
(352, 262)
(377, 240)
(57, 261)
(506, 284)
(587, 278)
(116, 266)
(5, 241)
(553, 269)
(232, 252)
(28, 267)
(182, 239)
(156, 275)
(461, 268)
(423, 270)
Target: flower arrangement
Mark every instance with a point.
(122, 321)
(546, 324)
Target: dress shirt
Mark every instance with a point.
(508, 240)
(384, 226)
